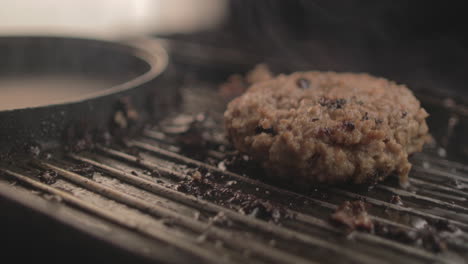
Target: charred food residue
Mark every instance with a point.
(225, 194)
(47, 177)
(353, 215)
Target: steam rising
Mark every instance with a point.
(422, 46)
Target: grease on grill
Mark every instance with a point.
(353, 215)
(227, 196)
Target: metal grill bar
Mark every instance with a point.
(203, 205)
(373, 201)
(395, 207)
(404, 193)
(179, 158)
(299, 215)
(162, 233)
(423, 157)
(428, 185)
(190, 223)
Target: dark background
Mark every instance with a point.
(419, 43)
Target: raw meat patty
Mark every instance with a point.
(327, 127)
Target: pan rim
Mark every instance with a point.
(157, 60)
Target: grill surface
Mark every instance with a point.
(130, 197)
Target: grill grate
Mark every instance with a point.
(133, 192)
(182, 220)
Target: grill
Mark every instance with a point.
(131, 197)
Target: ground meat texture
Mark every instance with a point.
(327, 127)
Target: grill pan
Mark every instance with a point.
(135, 201)
(124, 70)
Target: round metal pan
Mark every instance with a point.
(131, 75)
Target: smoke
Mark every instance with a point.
(419, 44)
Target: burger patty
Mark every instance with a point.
(327, 127)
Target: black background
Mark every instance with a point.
(419, 43)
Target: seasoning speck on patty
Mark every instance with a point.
(327, 127)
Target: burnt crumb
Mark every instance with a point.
(134, 173)
(386, 140)
(378, 121)
(404, 114)
(396, 199)
(197, 176)
(348, 126)
(83, 169)
(314, 119)
(260, 129)
(48, 177)
(261, 209)
(225, 195)
(332, 103)
(365, 116)
(353, 215)
(303, 83)
(185, 188)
